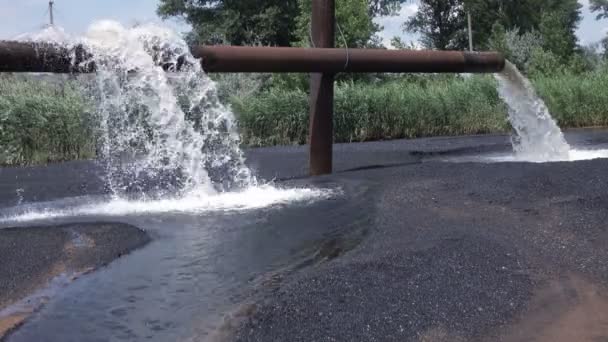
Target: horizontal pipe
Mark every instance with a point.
(44, 57)
(307, 60)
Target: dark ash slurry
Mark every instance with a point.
(38, 261)
(412, 249)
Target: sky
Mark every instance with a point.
(23, 16)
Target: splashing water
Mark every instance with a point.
(191, 203)
(161, 132)
(165, 140)
(536, 137)
(536, 134)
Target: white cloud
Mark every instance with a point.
(590, 30)
(393, 25)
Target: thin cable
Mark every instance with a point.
(45, 16)
(58, 13)
(345, 46)
(312, 42)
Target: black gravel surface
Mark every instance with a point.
(434, 251)
(32, 256)
(454, 252)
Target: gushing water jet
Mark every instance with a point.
(536, 134)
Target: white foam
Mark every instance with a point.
(195, 202)
(588, 154)
(573, 155)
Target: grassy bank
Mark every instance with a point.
(42, 122)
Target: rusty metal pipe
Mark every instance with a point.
(43, 57)
(319, 60)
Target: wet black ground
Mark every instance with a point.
(76, 247)
(414, 249)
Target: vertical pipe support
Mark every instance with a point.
(321, 92)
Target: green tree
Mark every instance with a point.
(522, 47)
(582, 62)
(399, 44)
(592, 54)
(599, 6)
(525, 16)
(270, 22)
(445, 21)
(517, 47)
(441, 24)
(558, 24)
(384, 7)
(485, 14)
(543, 63)
(238, 22)
(498, 39)
(354, 23)
(556, 36)
(522, 15)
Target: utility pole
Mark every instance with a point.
(52, 19)
(470, 31)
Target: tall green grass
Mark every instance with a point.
(400, 108)
(42, 122)
(418, 106)
(576, 100)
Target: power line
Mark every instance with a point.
(59, 14)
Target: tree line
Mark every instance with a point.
(274, 22)
(535, 34)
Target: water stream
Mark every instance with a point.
(536, 136)
(172, 166)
